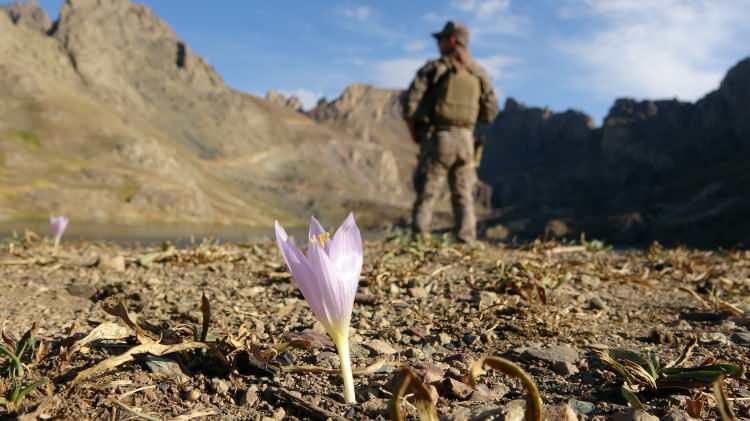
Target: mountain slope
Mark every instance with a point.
(108, 115)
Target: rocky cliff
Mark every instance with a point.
(667, 170)
(107, 114)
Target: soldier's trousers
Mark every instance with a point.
(448, 153)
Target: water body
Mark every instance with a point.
(181, 234)
(146, 233)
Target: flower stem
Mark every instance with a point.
(342, 346)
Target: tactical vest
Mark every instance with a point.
(457, 98)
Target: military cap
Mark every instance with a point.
(454, 28)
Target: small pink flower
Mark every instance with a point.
(58, 223)
(328, 276)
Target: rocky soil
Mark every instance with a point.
(552, 308)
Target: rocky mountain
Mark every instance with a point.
(291, 101)
(667, 170)
(106, 114)
(372, 115)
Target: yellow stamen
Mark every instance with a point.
(322, 239)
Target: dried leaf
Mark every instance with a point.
(423, 399)
(150, 347)
(682, 359)
(533, 398)
(120, 311)
(104, 332)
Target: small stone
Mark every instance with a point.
(555, 353)
(597, 303)
(515, 410)
(414, 353)
(279, 414)
(564, 368)
(81, 290)
(163, 366)
(470, 339)
(560, 413)
(418, 292)
(634, 415)
(380, 347)
(582, 407)
(678, 415)
(431, 372)
(219, 386)
(191, 395)
(483, 393)
(444, 338)
(456, 389)
(741, 338)
(116, 263)
(250, 396)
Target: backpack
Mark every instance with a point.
(457, 98)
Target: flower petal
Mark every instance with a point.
(305, 277)
(346, 253)
(336, 294)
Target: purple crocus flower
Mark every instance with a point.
(328, 276)
(58, 223)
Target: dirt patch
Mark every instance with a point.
(436, 308)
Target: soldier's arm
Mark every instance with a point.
(413, 96)
(488, 107)
(417, 90)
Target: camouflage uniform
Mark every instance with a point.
(445, 151)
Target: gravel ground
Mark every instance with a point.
(551, 308)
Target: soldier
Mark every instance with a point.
(441, 107)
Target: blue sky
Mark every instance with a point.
(562, 54)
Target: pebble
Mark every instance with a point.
(678, 415)
(219, 386)
(381, 347)
(191, 395)
(597, 303)
(250, 396)
(564, 368)
(582, 407)
(554, 354)
(116, 263)
(561, 412)
(418, 292)
(456, 389)
(483, 393)
(81, 290)
(633, 415)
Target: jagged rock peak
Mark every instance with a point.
(28, 14)
(292, 101)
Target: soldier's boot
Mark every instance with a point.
(462, 181)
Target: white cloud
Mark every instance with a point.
(396, 73)
(360, 13)
(309, 98)
(488, 18)
(660, 48)
(482, 9)
(415, 46)
(498, 65)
